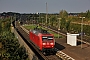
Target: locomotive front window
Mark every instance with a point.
(47, 37)
(44, 38)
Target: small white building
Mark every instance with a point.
(72, 39)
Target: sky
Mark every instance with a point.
(53, 6)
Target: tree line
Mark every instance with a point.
(9, 46)
(62, 20)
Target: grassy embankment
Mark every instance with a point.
(33, 26)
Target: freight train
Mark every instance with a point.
(42, 39)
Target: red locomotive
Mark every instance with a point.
(42, 39)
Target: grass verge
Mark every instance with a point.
(32, 26)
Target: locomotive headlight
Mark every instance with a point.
(44, 43)
(51, 43)
(52, 46)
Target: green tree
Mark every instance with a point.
(68, 25)
(88, 14)
(63, 23)
(63, 14)
(53, 20)
(82, 14)
(10, 44)
(0, 27)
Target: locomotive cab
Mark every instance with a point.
(42, 39)
(47, 41)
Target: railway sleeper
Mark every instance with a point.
(64, 56)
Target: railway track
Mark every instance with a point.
(59, 53)
(64, 56)
(25, 37)
(38, 53)
(65, 35)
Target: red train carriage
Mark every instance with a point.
(42, 39)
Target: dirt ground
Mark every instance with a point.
(75, 52)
